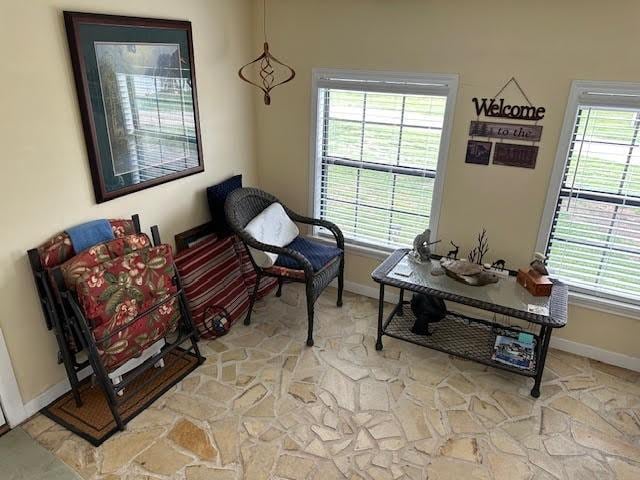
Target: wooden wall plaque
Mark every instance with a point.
(512, 131)
(515, 155)
(478, 152)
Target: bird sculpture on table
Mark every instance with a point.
(422, 247)
(538, 264)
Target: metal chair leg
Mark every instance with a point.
(310, 328)
(380, 315)
(310, 313)
(65, 356)
(247, 320)
(108, 388)
(188, 323)
(340, 282)
(196, 350)
(116, 415)
(543, 348)
(72, 375)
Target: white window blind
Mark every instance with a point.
(378, 147)
(594, 241)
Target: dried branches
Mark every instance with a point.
(477, 254)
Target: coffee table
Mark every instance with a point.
(460, 334)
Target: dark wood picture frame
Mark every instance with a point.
(74, 21)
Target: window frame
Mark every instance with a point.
(590, 93)
(424, 83)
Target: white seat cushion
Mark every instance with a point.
(273, 227)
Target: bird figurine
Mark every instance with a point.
(538, 264)
(422, 247)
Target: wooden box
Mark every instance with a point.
(537, 285)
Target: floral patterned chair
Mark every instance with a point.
(43, 260)
(119, 301)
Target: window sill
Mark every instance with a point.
(380, 253)
(605, 305)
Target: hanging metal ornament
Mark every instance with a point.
(266, 61)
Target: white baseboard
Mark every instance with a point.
(52, 393)
(9, 392)
(604, 356)
(589, 351)
(390, 293)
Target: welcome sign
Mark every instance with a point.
(492, 108)
(510, 154)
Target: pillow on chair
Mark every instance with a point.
(273, 227)
(216, 196)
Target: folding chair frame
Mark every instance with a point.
(65, 317)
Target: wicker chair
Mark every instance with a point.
(243, 205)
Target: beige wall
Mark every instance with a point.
(545, 44)
(45, 182)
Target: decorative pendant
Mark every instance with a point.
(267, 73)
(268, 64)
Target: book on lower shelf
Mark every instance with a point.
(514, 352)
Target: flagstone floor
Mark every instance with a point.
(264, 406)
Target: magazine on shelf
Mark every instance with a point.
(512, 352)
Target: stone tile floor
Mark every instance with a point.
(264, 406)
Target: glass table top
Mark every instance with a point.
(507, 292)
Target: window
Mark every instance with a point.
(591, 229)
(379, 145)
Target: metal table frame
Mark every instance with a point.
(456, 323)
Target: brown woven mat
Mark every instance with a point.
(93, 420)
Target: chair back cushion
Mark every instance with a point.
(77, 266)
(128, 244)
(113, 296)
(213, 284)
(216, 196)
(272, 226)
(137, 281)
(58, 248)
